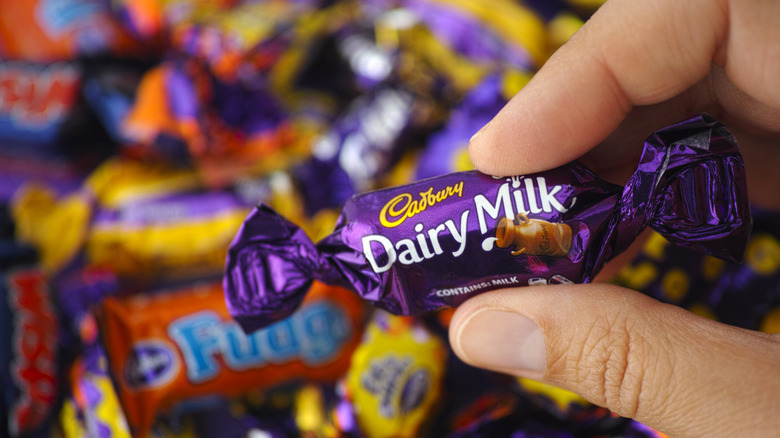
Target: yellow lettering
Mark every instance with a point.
(389, 211)
(441, 195)
(675, 284)
(639, 276)
(655, 246)
(459, 189)
(763, 254)
(402, 207)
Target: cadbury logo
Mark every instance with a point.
(404, 206)
(398, 384)
(150, 364)
(544, 243)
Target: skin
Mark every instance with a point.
(635, 67)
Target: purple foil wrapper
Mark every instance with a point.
(179, 208)
(361, 147)
(438, 242)
(745, 295)
(467, 35)
(480, 105)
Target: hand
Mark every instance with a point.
(635, 67)
(638, 66)
(677, 372)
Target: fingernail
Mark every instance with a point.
(480, 131)
(506, 340)
(475, 135)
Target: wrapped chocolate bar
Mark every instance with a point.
(46, 31)
(178, 346)
(363, 144)
(489, 33)
(395, 377)
(29, 355)
(93, 407)
(438, 242)
(447, 150)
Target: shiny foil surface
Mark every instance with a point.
(437, 242)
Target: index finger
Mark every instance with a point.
(630, 53)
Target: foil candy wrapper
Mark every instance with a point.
(29, 355)
(447, 149)
(742, 295)
(395, 377)
(177, 346)
(360, 149)
(435, 243)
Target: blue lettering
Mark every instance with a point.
(324, 329)
(281, 341)
(314, 334)
(198, 339)
(241, 351)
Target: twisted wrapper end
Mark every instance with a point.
(270, 267)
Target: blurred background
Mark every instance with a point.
(136, 135)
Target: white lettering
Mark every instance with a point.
(408, 255)
(459, 237)
(493, 210)
(548, 198)
(434, 236)
(387, 245)
(531, 193)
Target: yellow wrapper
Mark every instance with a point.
(57, 228)
(119, 181)
(395, 377)
(166, 250)
(510, 21)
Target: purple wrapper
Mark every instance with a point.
(361, 147)
(370, 64)
(745, 295)
(179, 208)
(438, 242)
(98, 412)
(467, 35)
(443, 150)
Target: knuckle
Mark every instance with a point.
(608, 362)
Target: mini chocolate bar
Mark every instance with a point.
(175, 346)
(395, 377)
(437, 242)
(29, 353)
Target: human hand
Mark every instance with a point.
(680, 373)
(635, 67)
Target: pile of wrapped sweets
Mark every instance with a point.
(255, 219)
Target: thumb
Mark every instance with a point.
(659, 364)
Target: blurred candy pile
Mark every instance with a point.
(136, 135)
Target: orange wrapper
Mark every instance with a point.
(172, 347)
(46, 31)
